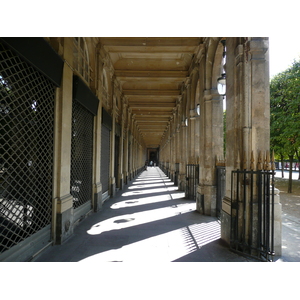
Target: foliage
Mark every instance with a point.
(224, 133)
(285, 112)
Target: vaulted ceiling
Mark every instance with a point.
(151, 72)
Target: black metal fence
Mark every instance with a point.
(192, 180)
(252, 213)
(221, 185)
(176, 175)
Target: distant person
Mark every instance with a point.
(151, 163)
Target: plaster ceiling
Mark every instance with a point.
(151, 72)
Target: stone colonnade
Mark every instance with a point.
(131, 153)
(116, 153)
(195, 131)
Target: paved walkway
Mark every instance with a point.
(290, 218)
(295, 174)
(148, 221)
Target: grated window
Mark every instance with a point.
(81, 154)
(26, 149)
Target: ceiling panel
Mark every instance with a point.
(151, 72)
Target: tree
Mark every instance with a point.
(285, 114)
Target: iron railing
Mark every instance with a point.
(252, 213)
(26, 149)
(221, 185)
(105, 158)
(192, 180)
(176, 175)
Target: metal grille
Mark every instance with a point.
(168, 169)
(81, 154)
(192, 180)
(176, 174)
(221, 185)
(129, 161)
(117, 145)
(252, 213)
(105, 155)
(26, 149)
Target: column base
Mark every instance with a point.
(207, 200)
(121, 182)
(97, 205)
(64, 219)
(226, 220)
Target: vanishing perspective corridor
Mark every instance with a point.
(150, 220)
(82, 116)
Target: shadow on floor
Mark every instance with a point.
(149, 221)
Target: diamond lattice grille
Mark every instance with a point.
(26, 149)
(81, 154)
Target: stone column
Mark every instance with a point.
(125, 147)
(63, 200)
(247, 110)
(173, 146)
(211, 147)
(121, 156)
(97, 187)
(97, 203)
(112, 157)
(192, 137)
(125, 156)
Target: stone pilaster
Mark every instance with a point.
(97, 203)
(248, 110)
(210, 148)
(63, 202)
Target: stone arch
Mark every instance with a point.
(217, 65)
(194, 86)
(184, 106)
(210, 58)
(217, 70)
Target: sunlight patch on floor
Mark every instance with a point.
(165, 247)
(140, 186)
(143, 181)
(147, 200)
(128, 220)
(141, 201)
(153, 177)
(157, 190)
(179, 195)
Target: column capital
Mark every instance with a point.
(187, 82)
(200, 53)
(258, 46)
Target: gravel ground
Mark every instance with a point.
(290, 220)
(290, 201)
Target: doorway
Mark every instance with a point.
(153, 156)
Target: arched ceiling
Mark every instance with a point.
(151, 72)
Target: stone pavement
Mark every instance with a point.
(290, 239)
(290, 217)
(148, 221)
